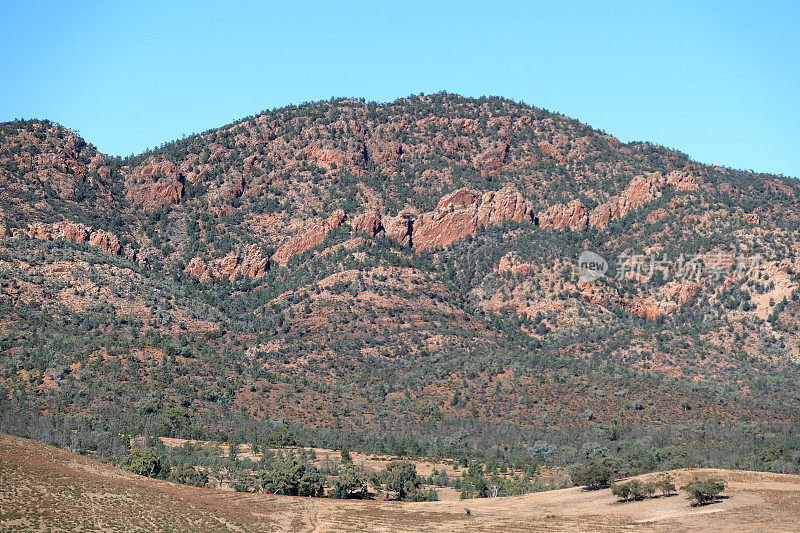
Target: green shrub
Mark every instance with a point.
(351, 483)
(594, 475)
(145, 463)
(188, 475)
(704, 492)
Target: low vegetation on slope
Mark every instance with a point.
(401, 279)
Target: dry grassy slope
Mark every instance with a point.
(48, 488)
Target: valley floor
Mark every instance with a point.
(45, 488)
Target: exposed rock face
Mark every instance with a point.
(491, 160)
(640, 191)
(250, 265)
(309, 237)
(198, 268)
(253, 265)
(336, 219)
(657, 215)
(76, 232)
(510, 264)
(400, 228)
(507, 204)
(386, 155)
(248, 164)
(454, 218)
(462, 212)
(38, 231)
(326, 158)
(228, 266)
(42, 159)
(161, 168)
(681, 291)
(153, 196)
(139, 256)
(368, 222)
(647, 308)
(105, 241)
(682, 181)
(559, 216)
(752, 218)
(234, 188)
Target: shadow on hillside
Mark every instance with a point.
(659, 497)
(718, 499)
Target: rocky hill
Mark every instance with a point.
(408, 270)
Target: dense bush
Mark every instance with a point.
(595, 474)
(704, 492)
(188, 475)
(145, 463)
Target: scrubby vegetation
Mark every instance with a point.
(367, 344)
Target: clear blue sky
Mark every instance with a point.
(717, 80)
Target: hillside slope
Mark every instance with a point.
(48, 488)
(404, 269)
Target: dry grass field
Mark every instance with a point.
(47, 489)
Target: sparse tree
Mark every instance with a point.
(666, 485)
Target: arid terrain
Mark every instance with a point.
(44, 488)
(399, 280)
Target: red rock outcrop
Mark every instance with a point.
(38, 231)
(228, 266)
(681, 291)
(504, 205)
(386, 155)
(139, 256)
(490, 161)
(559, 216)
(309, 237)
(462, 212)
(752, 218)
(640, 191)
(682, 181)
(248, 164)
(657, 215)
(161, 168)
(234, 188)
(326, 158)
(252, 264)
(105, 241)
(647, 308)
(198, 268)
(368, 222)
(336, 219)
(156, 195)
(510, 264)
(76, 232)
(400, 228)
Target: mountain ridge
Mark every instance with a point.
(401, 267)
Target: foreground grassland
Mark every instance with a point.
(45, 488)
